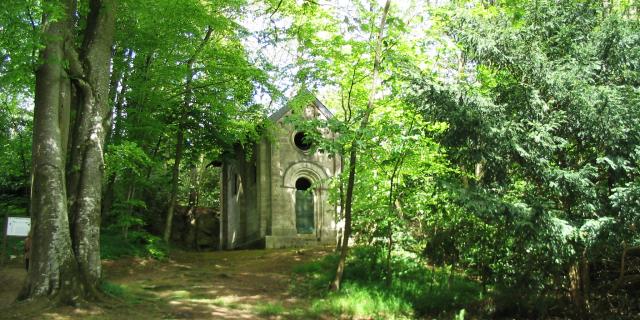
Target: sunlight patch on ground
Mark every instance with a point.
(74, 313)
(231, 314)
(55, 316)
(179, 294)
(212, 285)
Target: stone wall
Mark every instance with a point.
(197, 228)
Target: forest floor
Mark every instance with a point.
(246, 284)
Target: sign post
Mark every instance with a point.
(17, 227)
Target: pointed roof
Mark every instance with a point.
(282, 111)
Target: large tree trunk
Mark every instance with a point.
(335, 284)
(52, 270)
(88, 142)
(66, 245)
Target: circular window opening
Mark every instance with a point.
(300, 140)
(303, 184)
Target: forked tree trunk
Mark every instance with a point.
(335, 284)
(96, 60)
(66, 246)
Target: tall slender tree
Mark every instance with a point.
(180, 134)
(353, 154)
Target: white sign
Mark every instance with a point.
(18, 226)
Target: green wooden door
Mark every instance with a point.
(304, 212)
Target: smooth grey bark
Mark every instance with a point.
(52, 270)
(335, 284)
(66, 246)
(90, 135)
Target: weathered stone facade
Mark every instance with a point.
(276, 196)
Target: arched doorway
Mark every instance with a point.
(304, 206)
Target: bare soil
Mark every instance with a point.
(247, 284)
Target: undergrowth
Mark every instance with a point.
(416, 290)
(138, 244)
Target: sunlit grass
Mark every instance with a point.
(129, 294)
(270, 309)
(179, 295)
(358, 301)
(416, 291)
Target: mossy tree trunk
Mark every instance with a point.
(65, 204)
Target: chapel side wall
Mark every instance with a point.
(224, 207)
(252, 217)
(263, 191)
(242, 223)
(231, 208)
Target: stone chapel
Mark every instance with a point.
(275, 195)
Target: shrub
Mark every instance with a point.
(139, 244)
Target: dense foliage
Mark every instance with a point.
(521, 166)
(543, 113)
(497, 142)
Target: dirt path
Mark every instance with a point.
(247, 284)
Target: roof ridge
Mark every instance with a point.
(278, 114)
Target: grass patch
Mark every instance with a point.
(361, 301)
(125, 293)
(416, 291)
(180, 295)
(312, 279)
(270, 309)
(114, 290)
